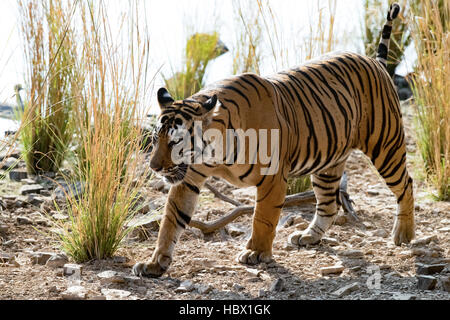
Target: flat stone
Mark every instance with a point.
(4, 229)
(185, 286)
(340, 220)
(71, 190)
(60, 216)
(424, 241)
(346, 290)
(7, 258)
(426, 282)
(110, 276)
(444, 229)
(237, 287)
(277, 285)
(380, 233)
(21, 220)
(40, 257)
(115, 294)
(74, 293)
(204, 288)
(18, 175)
(403, 296)
(429, 269)
(351, 253)
(9, 163)
(373, 192)
(72, 269)
(329, 241)
(331, 270)
(445, 283)
(235, 230)
(28, 181)
(31, 188)
(143, 224)
(57, 261)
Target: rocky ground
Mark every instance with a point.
(356, 260)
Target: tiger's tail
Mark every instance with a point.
(383, 47)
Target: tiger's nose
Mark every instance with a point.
(155, 166)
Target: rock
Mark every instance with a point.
(18, 175)
(74, 293)
(373, 192)
(108, 277)
(9, 163)
(380, 233)
(346, 290)
(445, 229)
(424, 241)
(185, 286)
(21, 220)
(340, 220)
(40, 257)
(72, 269)
(57, 261)
(403, 296)
(331, 270)
(237, 287)
(235, 230)
(59, 216)
(143, 224)
(428, 269)
(277, 285)
(245, 193)
(132, 279)
(445, 283)
(72, 190)
(261, 293)
(330, 241)
(420, 252)
(204, 289)
(9, 154)
(352, 253)
(115, 294)
(30, 188)
(287, 221)
(3, 229)
(254, 272)
(8, 243)
(35, 200)
(8, 259)
(426, 282)
(28, 181)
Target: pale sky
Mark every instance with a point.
(171, 21)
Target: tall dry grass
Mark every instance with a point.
(430, 23)
(49, 45)
(108, 116)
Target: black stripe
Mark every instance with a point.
(198, 172)
(191, 187)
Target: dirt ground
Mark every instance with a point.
(204, 266)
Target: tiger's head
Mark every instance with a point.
(172, 142)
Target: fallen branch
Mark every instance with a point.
(297, 199)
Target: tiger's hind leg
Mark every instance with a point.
(326, 189)
(392, 167)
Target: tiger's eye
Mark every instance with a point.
(178, 121)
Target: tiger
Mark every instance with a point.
(323, 110)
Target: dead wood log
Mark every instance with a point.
(297, 199)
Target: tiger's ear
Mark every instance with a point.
(210, 104)
(164, 98)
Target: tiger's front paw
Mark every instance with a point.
(403, 231)
(153, 269)
(303, 238)
(254, 257)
